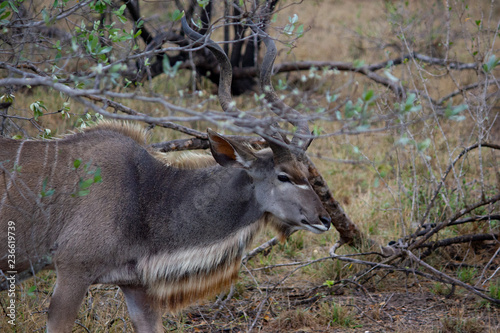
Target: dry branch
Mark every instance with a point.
(200, 143)
(261, 248)
(349, 232)
(455, 217)
(450, 279)
(366, 70)
(457, 240)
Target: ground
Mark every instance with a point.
(413, 310)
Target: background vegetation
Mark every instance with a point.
(402, 97)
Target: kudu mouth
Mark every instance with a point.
(326, 222)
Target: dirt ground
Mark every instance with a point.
(412, 310)
(303, 307)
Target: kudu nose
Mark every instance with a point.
(326, 220)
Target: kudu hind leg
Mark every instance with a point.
(65, 302)
(145, 314)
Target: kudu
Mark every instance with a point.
(166, 235)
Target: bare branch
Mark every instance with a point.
(457, 240)
(200, 143)
(61, 16)
(261, 248)
(455, 217)
(450, 279)
(450, 167)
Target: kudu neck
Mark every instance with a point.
(204, 206)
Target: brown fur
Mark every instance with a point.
(132, 130)
(177, 295)
(181, 160)
(185, 160)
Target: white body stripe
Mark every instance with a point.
(12, 175)
(198, 259)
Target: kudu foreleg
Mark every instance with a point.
(65, 302)
(145, 315)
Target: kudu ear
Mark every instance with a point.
(229, 153)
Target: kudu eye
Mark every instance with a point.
(284, 178)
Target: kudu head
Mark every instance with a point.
(279, 174)
(280, 184)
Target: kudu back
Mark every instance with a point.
(99, 207)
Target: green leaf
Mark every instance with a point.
(422, 146)
(47, 133)
(138, 33)
(13, 7)
(363, 128)
(300, 31)
(46, 193)
(452, 112)
(389, 75)
(31, 291)
(4, 14)
(369, 96)
(358, 63)
(404, 140)
(288, 30)
(120, 10)
(281, 85)
(203, 3)
(83, 193)
(409, 106)
(46, 17)
(331, 98)
(7, 98)
(177, 15)
(491, 63)
(85, 184)
(97, 176)
(77, 163)
(36, 108)
(329, 283)
(170, 71)
(105, 50)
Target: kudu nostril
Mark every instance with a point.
(326, 220)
